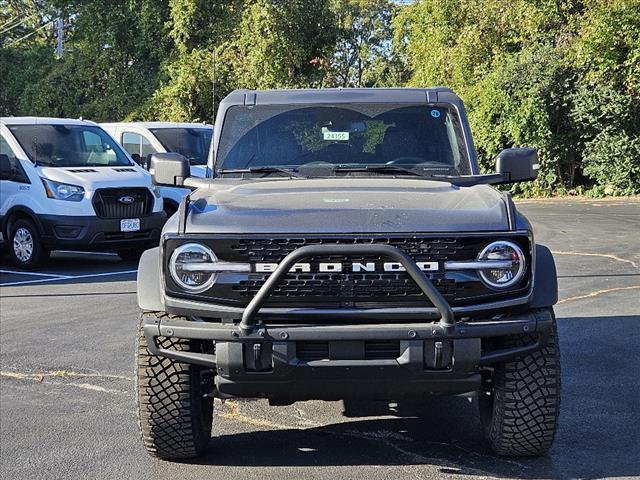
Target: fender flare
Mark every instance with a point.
(545, 282)
(149, 281)
(21, 209)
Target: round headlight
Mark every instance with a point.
(511, 260)
(184, 267)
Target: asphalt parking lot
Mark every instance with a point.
(67, 401)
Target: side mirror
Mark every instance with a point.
(136, 158)
(518, 164)
(6, 169)
(168, 169)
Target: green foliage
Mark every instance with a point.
(560, 76)
(612, 160)
(266, 44)
(112, 55)
(563, 76)
(363, 55)
(607, 98)
(20, 67)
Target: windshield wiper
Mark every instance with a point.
(382, 169)
(290, 172)
(459, 180)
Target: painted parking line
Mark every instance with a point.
(35, 274)
(66, 277)
(76, 252)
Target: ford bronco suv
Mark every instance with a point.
(346, 247)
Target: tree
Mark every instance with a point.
(264, 44)
(607, 100)
(363, 55)
(508, 60)
(113, 51)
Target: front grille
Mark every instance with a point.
(369, 350)
(107, 205)
(348, 288)
(362, 286)
(365, 287)
(422, 249)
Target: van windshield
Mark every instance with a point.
(425, 137)
(69, 146)
(192, 143)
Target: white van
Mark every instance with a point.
(66, 184)
(141, 139)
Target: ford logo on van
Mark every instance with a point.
(126, 199)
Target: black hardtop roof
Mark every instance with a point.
(341, 95)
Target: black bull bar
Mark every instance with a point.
(447, 317)
(249, 330)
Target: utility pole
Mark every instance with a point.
(59, 30)
(213, 93)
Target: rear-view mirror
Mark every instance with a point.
(518, 164)
(169, 169)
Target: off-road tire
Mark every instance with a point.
(519, 413)
(131, 254)
(174, 415)
(39, 253)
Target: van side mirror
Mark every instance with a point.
(6, 169)
(518, 164)
(169, 169)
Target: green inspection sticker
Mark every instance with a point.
(339, 136)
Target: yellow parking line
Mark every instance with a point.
(604, 255)
(596, 293)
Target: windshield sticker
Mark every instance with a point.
(435, 113)
(339, 136)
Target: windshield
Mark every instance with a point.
(69, 146)
(193, 143)
(412, 136)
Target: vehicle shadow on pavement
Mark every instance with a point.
(598, 434)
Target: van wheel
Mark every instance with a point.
(519, 411)
(133, 254)
(25, 245)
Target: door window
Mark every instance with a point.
(17, 170)
(134, 143)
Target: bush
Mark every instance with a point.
(612, 159)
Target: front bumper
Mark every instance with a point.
(258, 359)
(273, 369)
(94, 233)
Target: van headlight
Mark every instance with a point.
(186, 271)
(62, 191)
(513, 260)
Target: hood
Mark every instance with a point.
(92, 178)
(345, 205)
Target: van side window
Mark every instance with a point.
(18, 171)
(136, 143)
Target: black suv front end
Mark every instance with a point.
(331, 317)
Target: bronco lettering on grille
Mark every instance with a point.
(355, 267)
